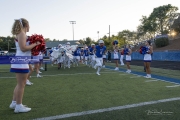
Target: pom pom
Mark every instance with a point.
(115, 42)
(39, 48)
(144, 50)
(126, 50)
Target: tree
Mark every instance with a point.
(64, 40)
(88, 41)
(176, 25)
(162, 15)
(81, 41)
(47, 39)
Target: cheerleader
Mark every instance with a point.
(116, 57)
(41, 60)
(29, 74)
(148, 58)
(100, 49)
(128, 52)
(19, 29)
(122, 56)
(37, 65)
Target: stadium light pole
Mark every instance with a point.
(98, 34)
(73, 22)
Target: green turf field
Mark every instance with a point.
(80, 89)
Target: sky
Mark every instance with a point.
(51, 17)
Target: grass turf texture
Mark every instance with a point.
(62, 94)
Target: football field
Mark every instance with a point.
(79, 94)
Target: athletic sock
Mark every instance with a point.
(19, 105)
(13, 102)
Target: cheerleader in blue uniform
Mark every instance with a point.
(19, 29)
(127, 52)
(148, 58)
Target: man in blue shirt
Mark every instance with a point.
(86, 53)
(100, 50)
(76, 54)
(91, 54)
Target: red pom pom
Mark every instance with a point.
(40, 48)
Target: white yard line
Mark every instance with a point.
(62, 74)
(173, 86)
(123, 74)
(151, 80)
(136, 76)
(107, 109)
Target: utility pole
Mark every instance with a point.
(73, 22)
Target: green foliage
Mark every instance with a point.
(161, 42)
(159, 21)
(4, 43)
(176, 25)
(162, 15)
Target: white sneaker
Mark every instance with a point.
(22, 109)
(39, 75)
(12, 106)
(41, 68)
(31, 83)
(103, 66)
(116, 68)
(28, 83)
(39, 72)
(147, 76)
(97, 73)
(128, 71)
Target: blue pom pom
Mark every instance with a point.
(144, 50)
(126, 50)
(115, 42)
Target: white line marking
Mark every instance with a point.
(63, 74)
(107, 109)
(123, 74)
(136, 77)
(151, 80)
(173, 86)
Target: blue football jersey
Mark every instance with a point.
(91, 50)
(86, 52)
(100, 51)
